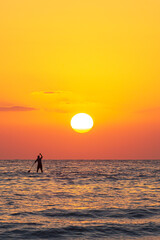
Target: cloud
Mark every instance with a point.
(60, 101)
(46, 92)
(50, 92)
(16, 109)
(58, 96)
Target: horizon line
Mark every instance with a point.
(85, 159)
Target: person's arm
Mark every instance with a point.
(41, 155)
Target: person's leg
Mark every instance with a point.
(41, 168)
(37, 168)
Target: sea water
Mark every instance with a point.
(80, 200)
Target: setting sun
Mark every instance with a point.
(81, 122)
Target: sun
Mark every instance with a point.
(81, 122)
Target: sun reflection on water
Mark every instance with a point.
(79, 194)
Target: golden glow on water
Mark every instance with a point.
(79, 194)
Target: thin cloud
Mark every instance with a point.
(16, 109)
(58, 96)
(50, 92)
(60, 101)
(47, 92)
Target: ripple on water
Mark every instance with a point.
(80, 200)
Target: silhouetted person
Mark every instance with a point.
(39, 161)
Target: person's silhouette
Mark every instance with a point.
(39, 161)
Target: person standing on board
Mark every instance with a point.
(39, 161)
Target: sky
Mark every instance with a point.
(60, 58)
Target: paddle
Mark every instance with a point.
(31, 167)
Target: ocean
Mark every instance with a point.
(80, 199)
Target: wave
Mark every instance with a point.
(139, 213)
(70, 232)
(80, 200)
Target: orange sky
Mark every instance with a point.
(59, 58)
